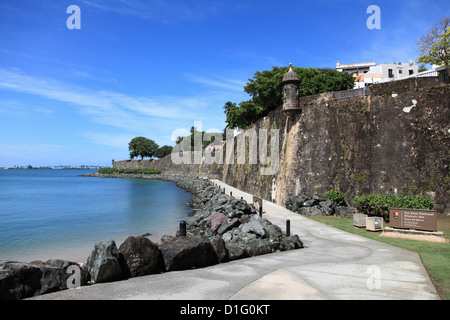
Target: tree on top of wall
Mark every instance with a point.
(142, 147)
(266, 92)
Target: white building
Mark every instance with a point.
(369, 73)
(353, 68)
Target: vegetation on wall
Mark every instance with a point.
(128, 171)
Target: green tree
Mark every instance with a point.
(163, 151)
(266, 92)
(434, 47)
(205, 141)
(422, 67)
(142, 147)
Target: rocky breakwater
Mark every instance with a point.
(220, 229)
(234, 227)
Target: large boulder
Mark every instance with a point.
(142, 256)
(20, 280)
(106, 264)
(63, 265)
(327, 207)
(310, 211)
(219, 246)
(344, 212)
(291, 243)
(296, 202)
(235, 251)
(274, 232)
(254, 226)
(181, 253)
(256, 247)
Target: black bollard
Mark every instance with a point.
(288, 228)
(231, 193)
(183, 228)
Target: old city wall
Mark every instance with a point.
(394, 140)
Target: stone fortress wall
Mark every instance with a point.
(395, 139)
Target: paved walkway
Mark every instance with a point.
(333, 265)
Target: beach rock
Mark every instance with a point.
(20, 280)
(310, 203)
(242, 206)
(106, 264)
(291, 243)
(327, 207)
(181, 253)
(344, 212)
(274, 232)
(228, 225)
(218, 244)
(256, 247)
(142, 256)
(85, 277)
(235, 251)
(255, 227)
(310, 211)
(217, 220)
(296, 202)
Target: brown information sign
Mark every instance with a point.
(413, 219)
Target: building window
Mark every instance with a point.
(391, 73)
(411, 72)
(400, 71)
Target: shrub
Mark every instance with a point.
(379, 204)
(128, 171)
(338, 197)
(149, 171)
(107, 170)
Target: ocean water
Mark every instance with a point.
(57, 214)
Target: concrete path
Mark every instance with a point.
(333, 265)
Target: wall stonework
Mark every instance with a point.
(395, 140)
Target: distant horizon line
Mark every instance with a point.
(56, 167)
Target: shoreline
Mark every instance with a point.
(80, 253)
(220, 229)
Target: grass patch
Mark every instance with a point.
(435, 256)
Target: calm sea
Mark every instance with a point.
(46, 214)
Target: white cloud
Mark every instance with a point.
(154, 117)
(107, 107)
(218, 82)
(110, 140)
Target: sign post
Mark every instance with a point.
(413, 219)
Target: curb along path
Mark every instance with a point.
(333, 265)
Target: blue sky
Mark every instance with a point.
(152, 68)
